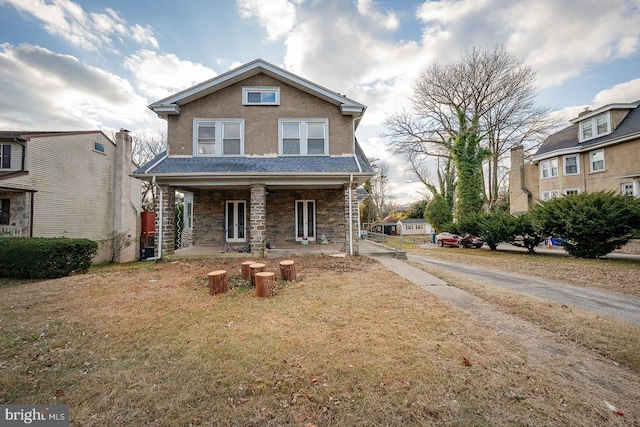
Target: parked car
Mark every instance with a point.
(447, 239)
(469, 241)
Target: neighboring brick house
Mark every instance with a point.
(69, 184)
(262, 156)
(599, 151)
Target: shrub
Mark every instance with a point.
(525, 234)
(437, 212)
(493, 228)
(590, 225)
(45, 258)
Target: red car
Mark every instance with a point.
(447, 239)
(468, 241)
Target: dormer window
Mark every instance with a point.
(260, 95)
(595, 127)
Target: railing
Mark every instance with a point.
(10, 231)
(395, 242)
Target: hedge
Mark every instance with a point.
(45, 258)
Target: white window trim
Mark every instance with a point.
(604, 164)
(564, 164)
(567, 190)
(186, 213)
(247, 89)
(303, 136)
(547, 163)
(626, 184)
(218, 137)
(594, 126)
(548, 195)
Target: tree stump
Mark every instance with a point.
(288, 270)
(217, 282)
(246, 271)
(255, 268)
(265, 284)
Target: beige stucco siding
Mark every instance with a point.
(261, 122)
(619, 159)
(75, 187)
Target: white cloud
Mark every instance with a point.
(368, 8)
(623, 92)
(89, 31)
(160, 75)
(43, 90)
(277, 17)
(559, 39)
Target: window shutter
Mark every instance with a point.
(6, 156)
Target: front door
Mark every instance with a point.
(235, 221)
(306, 219)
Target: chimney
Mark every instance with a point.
(585, 111)
(124, 214)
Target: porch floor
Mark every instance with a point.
(282, 250)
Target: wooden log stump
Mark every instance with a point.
(288, 270)
(265, 284)
(255, 268)
(246, 271)
(218, 282)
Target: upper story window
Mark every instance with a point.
(595, 126)
(5, 156)
(303, 137)
(99, 147)
(549, 168)
(260, 95)
(218, 137)
(571, 164)
(596, 160)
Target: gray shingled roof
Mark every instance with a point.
(567, 138)
(275, 165)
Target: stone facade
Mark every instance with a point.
(19, 208)
(168, 206)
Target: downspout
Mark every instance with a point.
(350, 215)
(159, 240)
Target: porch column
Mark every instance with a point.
(351, 195)
(258, 217)
(166, 220)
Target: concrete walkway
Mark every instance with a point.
(624, 307)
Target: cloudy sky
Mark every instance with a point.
(79, 65)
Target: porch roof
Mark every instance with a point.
(163, 165)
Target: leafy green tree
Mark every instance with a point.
(416, 210)
(437, 213)
(590, 225)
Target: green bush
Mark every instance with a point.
(494, 228)
(591, 225)
(437, 212)
(45, 258)
(525, 234)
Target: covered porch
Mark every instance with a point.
(259, 218)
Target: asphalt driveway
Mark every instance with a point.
(624, 307)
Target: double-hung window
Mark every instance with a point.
(303, 137)
(549, 168)
(595, 127)
(626, 189)
(548, 195)
(5, 156)
(260, 95)
(596, 159)
(218, 137)
(571, 164)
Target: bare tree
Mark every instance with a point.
(379, 187)
(145, 148)
(493, 90)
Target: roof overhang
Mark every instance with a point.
(171, 105)
(584, 148)
(633, 175)
(589, 114)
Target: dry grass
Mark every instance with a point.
(349, 343)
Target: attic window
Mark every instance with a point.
(260, 95)
(595, 127)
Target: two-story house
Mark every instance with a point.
(600, 151)
(262, 156)
(70, 184)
